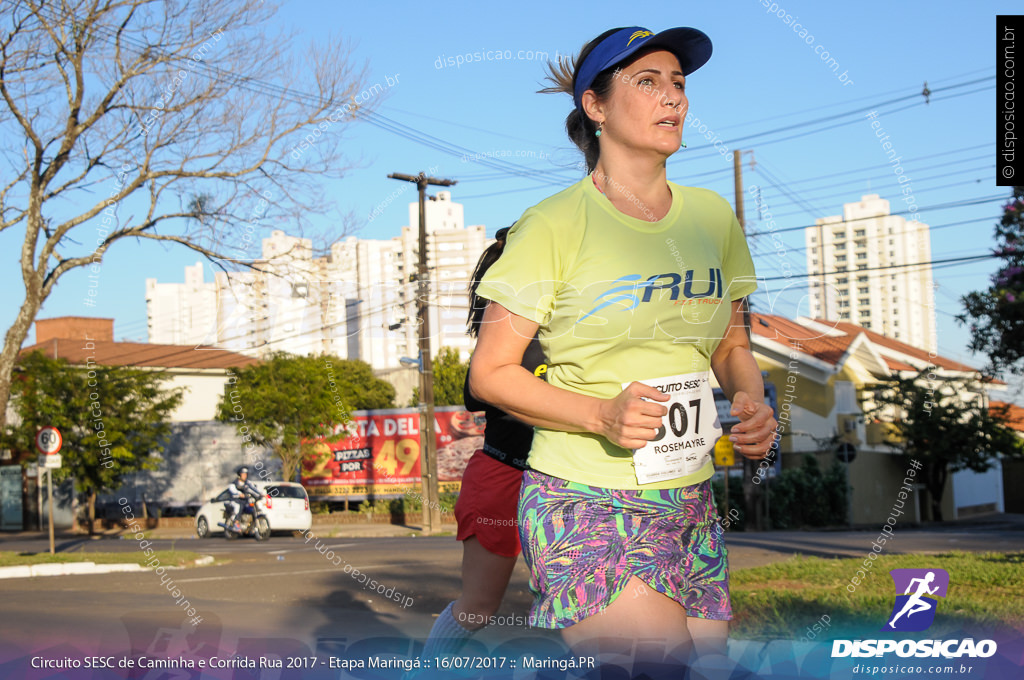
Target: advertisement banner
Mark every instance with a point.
(381, 456)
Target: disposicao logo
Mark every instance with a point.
(914, 610)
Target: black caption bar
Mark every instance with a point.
(1009, 147)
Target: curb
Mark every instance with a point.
(81, 568)
(65, 569)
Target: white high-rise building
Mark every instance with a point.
(367, 316)
(182, 313)
(276, 309)
(357, 302)
(857, 273)
(452, 253)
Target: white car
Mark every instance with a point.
(285, 504)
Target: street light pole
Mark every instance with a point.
(428, 463)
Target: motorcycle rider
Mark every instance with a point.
(239, 490)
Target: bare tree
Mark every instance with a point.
(158, 119)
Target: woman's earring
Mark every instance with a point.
(597, 133)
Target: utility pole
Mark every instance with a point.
(428, 461)
(749, 495)
(737, 180)
(737, 177)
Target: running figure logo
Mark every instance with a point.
(915, 608)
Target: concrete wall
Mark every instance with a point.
(198, 463)
(978, 492)
(203, 391)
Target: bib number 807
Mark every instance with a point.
(678, 420)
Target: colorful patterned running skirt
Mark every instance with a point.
(582, 544)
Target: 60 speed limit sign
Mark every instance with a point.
(49, 441)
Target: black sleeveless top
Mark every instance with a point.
(506, 438)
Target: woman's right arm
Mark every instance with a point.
(497, 377)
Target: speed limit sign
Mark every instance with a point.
(48, 441)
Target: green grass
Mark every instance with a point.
(783, 600)
(167, 558)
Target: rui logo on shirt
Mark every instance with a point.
(630, 290)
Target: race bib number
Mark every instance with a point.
(688, 432)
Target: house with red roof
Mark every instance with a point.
(201, 453)
(202, 371)
(819, 369)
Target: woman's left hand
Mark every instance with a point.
(754, 434)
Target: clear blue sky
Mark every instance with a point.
(762, 76)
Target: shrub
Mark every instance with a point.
(806, 497)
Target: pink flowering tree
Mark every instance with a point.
(996, 314)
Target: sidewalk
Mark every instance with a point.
(368, 530)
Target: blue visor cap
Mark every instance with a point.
(691, 47)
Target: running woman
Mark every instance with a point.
(618, 499)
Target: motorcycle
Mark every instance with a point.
(251, 520)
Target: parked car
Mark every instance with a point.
(286, 506)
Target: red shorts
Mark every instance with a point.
(488, 503)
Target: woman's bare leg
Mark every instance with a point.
(649, 627)
(485, 578)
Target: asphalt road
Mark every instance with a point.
(284, 597)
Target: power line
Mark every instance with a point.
(934, 208)
(948, 262)
(964, 183)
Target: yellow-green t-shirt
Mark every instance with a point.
(619, 299)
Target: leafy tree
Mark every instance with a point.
(172, 121)
(290, 404)
(996, 315)
(113, 419)
(449, 378)
(944, 423)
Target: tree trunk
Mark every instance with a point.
(290, 462)
(92, 512)
(935, 483)
(13, 341)
(751, 497)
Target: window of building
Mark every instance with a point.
(844, 315)
(843, 281)
(864, 302)
(844, 304)
(840, 258)
(862, 279)
(846, 397)
(862, 256)
(841, 245)
(866, 312)
(863, 290)
(860, 232)
(839, 234)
